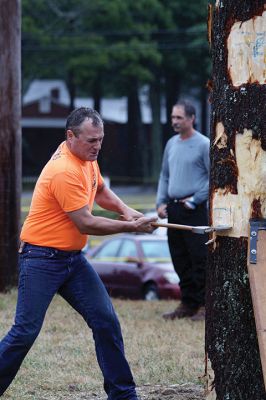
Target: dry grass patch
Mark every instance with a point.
(62, 363)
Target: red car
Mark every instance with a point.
(136, 267)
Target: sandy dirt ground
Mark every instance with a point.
(160, 392)
(172, 392)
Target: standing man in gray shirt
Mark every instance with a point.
(182, 197)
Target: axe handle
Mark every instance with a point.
(172, 226)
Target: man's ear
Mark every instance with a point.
(69, 135)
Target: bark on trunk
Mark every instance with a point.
(238, 193)
(10, 138)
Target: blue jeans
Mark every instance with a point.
(45, 271)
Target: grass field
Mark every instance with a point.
(140, 200)
(62, 363)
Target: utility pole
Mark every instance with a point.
(237, 194)
(10, 139)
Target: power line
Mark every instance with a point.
(131, 33)
(71, 47)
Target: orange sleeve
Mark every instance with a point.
(69, 191)
(99, 177)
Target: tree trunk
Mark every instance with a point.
(136, 136)
(72, 88)
(97, 94)
(156, 134)
(172, 89)
(238, 193)
(10, 137)
(204, 110)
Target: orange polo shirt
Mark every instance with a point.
(66, 184)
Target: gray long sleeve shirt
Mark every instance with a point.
(185, 169)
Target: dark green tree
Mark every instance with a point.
(116, 48)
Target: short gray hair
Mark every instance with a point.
(79, 115)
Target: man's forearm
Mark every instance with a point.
(202, 195)
(89, 224)
(108, 200)
(106, 226)
(162, 192)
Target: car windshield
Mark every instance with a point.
(156, 251)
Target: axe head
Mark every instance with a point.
(207, 229)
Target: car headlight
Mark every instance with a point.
(171, 277)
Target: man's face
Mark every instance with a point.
(87, 144)
(181, 123)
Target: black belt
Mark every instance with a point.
(24, 245)
(177, 200)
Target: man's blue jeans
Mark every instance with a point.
(44, 272)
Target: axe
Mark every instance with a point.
(195, 229)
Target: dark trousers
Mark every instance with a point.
(188, 251)
(43, 273)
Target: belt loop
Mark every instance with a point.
(21, 247)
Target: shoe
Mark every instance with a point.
(200, 315)
(182, 311)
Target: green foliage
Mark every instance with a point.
(113, 48)
(120, 38)
(135, 59)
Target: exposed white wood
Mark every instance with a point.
(209, 382)
(247, 51)
(220, 136)
(228, 208)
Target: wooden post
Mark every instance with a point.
(10, 139)
(237, 187)
(257, 277)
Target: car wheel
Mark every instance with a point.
(151, 292)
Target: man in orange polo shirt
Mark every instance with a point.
(51, 260)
